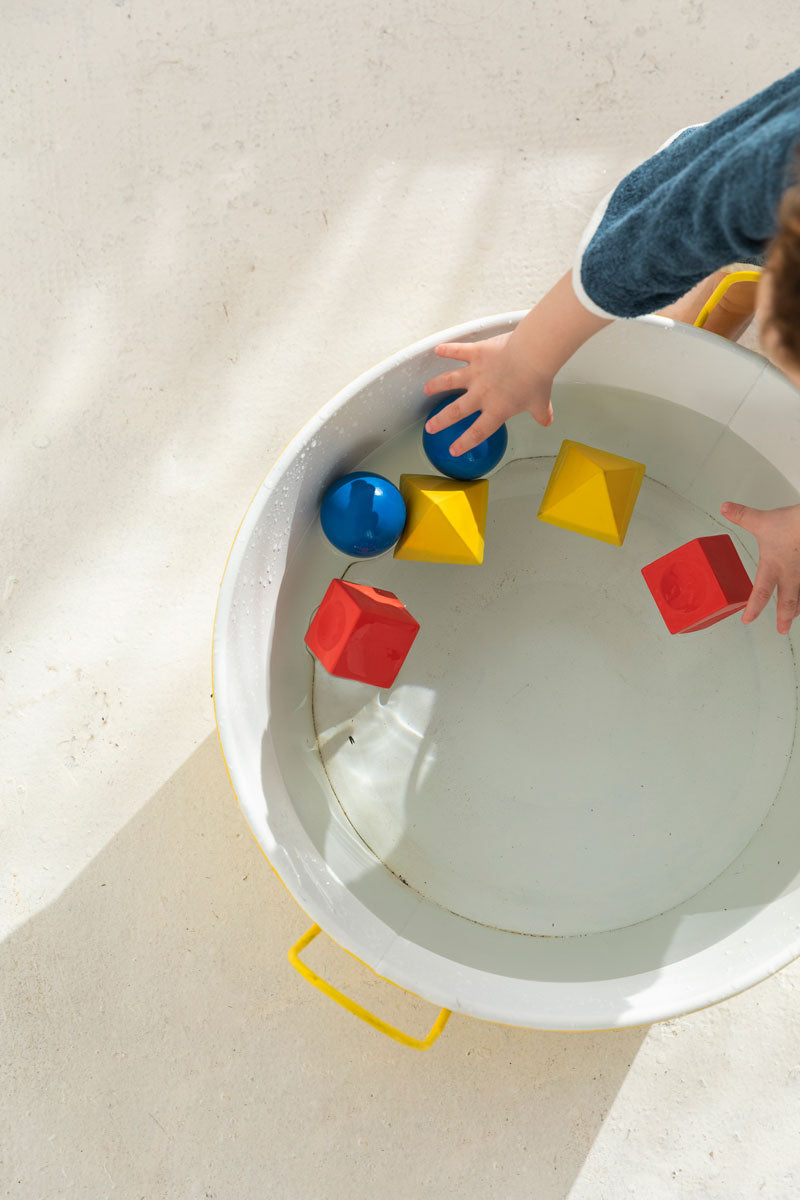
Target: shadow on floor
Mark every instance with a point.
(152, 1018)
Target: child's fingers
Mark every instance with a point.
(449, 415)
(740, 514)
(543, 414)
(480, 429)
(765, 583)
(788, 601)
(449, 381)
(461, 350)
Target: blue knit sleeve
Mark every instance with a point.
(708, 198)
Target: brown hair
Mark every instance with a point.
(783, 264)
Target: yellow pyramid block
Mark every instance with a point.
(445, 519)
(592, 492)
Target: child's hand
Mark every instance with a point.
(513, 372)
(777, 531)
(497, 385)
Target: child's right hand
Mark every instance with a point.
(496, 384)
(777, 531)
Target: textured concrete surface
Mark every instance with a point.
(214, 216)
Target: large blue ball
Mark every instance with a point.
(362, 514)
(475, 462)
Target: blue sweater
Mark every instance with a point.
(708, 198)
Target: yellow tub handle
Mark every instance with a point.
(720, 290)
(404, 1038)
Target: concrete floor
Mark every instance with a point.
(215, 216)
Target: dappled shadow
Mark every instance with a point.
(248, 247)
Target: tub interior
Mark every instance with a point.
(555, 789)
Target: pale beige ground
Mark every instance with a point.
(216, 215)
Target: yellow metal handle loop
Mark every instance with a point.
(404, 1038)
(720, 290)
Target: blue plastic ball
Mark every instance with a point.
(475, 462)
(362, 514)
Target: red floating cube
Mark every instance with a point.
(361, 633)
(699, 583)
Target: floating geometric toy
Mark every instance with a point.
(446, 519)
(361, 633)
(362, 514)
(698, 584)
(473, 463)
(592, 492)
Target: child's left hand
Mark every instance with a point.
(777, 532)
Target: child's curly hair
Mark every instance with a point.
(783, 263)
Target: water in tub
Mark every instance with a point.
(550, 759)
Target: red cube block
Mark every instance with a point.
(699, 583)
(361, 633)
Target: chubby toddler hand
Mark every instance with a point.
(777, 532)
(497, 385)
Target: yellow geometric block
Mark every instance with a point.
(592, 492)
(445, 519)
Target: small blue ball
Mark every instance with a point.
(475, 462)
(362, 514)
